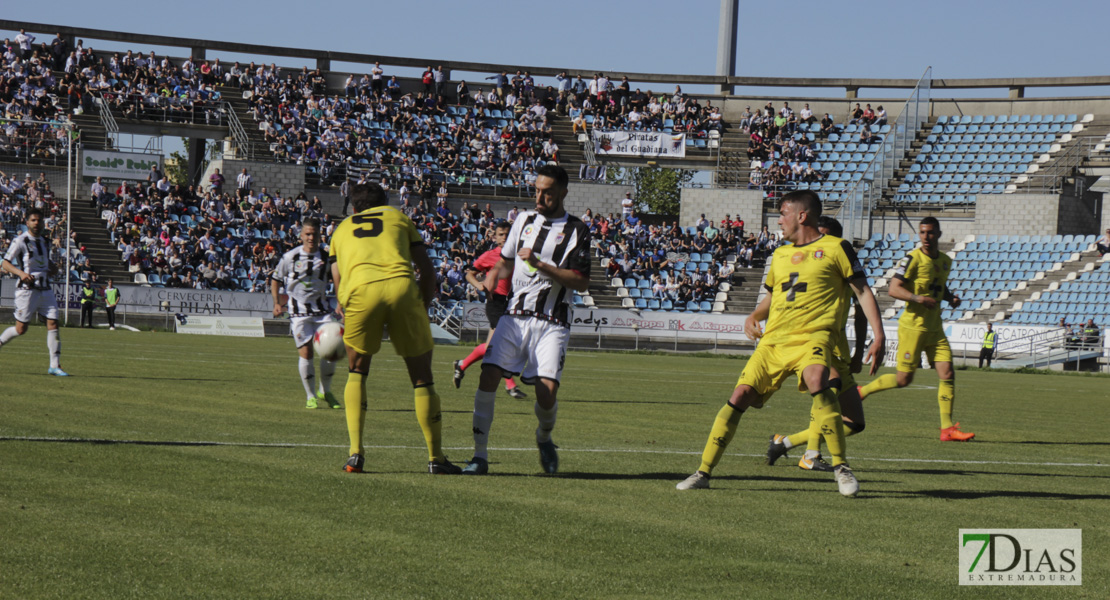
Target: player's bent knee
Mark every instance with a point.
(855, 426)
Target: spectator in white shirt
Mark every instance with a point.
(243, 183)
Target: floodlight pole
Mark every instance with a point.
(69, 213)
(727, 29)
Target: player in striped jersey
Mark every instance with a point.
(31, 252)
(303, 272)
(549, 251)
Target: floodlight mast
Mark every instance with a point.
(727, 31)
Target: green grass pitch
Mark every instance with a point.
(265, 511)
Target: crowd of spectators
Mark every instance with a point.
(682, 265)
(783, 144)
(180, 236)
(17, 196)
(417, 138)
(35, 106)
(603, 105)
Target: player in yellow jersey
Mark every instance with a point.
(806, 286)
(844, 366)
(921, 280)
(373, 253)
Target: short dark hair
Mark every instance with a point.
(365, 196)
(555, 172)
(830, 223)
(931, 221)
(311, 222)
(808, 199)
(32, 212)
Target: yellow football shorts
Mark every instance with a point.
(773, 362)
(911, 343)
(393, 303)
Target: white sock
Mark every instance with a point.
(8, 335)
(327, 369)
(786, 442)
(812, 454)
(546, 418)
(483, 419)
(54, 344)
(308, 374)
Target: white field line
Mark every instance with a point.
(593, 450)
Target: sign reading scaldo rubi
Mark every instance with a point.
(118, 165)
(1021, 557)
(639, 143)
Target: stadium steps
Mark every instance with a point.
(93, 134)
(234, 97)
(1098, 127)
(1023, 291)
(91, 233)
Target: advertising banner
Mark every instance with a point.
(118, 165)
(229, 326)
(656, 144)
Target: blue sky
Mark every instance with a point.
(805, 38)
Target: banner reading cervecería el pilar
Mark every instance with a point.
(658, 144)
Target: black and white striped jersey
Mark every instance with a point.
(32, 255)
(305, 277)
(563, 242)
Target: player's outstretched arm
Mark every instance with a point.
(898, 291)
(425, 274)
(751, 324)
(472, 279)
(871, 308)
(502, 270)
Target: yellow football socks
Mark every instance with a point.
(724, 427)
(354, 396)
(879, 384)
(828, 423)
(430, 418)
(946, 397)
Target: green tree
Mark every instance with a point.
(660, 189)
(178, 172)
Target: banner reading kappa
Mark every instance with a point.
(639, 143)
(118, 165)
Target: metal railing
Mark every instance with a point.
(108, 121)
(1055, 346)
(238, 132)
(855, 212)
(164, 110)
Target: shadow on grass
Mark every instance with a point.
(978, 495)
(972, 473)
(572, 400)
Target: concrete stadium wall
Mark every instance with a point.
(599, 197)
(286, 178)
(1033, 214)
(716, 203)
(953, 229)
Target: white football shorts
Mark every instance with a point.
(303, 328)
(28, 302)
(529, 347)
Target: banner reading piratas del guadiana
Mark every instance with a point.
(639, 143)
(118, 165)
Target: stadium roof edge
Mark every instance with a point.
(325, 57)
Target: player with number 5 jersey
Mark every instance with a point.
(373, 255)
(28, 258)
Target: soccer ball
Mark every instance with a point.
(328, 341)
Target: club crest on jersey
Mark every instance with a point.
(818, 253)
(906, 356)
(798, 257)
(559, 238)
